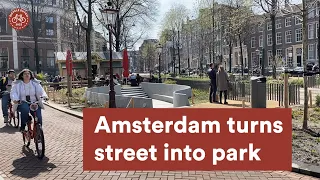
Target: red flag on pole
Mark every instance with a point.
(69, 63)
(125, 63)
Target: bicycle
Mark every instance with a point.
(20, 18)
(11, 114)
(34, 131)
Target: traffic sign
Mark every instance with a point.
(19, 19)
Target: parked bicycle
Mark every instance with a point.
(34, 130)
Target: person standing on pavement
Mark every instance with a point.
(213, 84)
(5, 86)
(222, 83)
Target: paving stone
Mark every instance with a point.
(63, 135)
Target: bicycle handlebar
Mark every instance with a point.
(20, 101)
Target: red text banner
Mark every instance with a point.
(187, 139)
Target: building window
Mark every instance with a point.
(254, 59)
(279, 53)
(269, 58)
(311, 31)
(279, 38)
(278, 23)
(288, 37)
(316, 48)
(253, 42)
(3, 23)
(288, 21)
(311, 13)
(279, 57)
(317, 29)
(260, 27)
(50, 58)
(269, 40)
(299, 35)
(49, 32)
(289, 61)
(25, 58)
(40, 57)
(311, 51)
(269, 26)
(298, 20)
(260, 41)
(49, 19)
(4, 58)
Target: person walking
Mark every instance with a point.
(213, 84)
(222, 83)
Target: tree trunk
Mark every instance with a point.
(230, 54)
(304, 54)
(213, 37)
(210, 54)
(318, 39)
(88, 42)
(117, 33)
(274, 41)
(241, 54)
(179, 60)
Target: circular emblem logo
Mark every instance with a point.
(18, 19)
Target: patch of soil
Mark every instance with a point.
(306, 145)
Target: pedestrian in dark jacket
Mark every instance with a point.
(213, 84)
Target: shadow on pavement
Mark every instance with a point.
(8, 129)
(30, 166)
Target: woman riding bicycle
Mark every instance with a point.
(27, 88)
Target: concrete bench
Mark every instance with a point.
(163, 98)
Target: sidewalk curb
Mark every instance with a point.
(306, 169)
(62, 110)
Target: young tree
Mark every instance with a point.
(242, 22)
(138, 12)
(271, 7)
(302, 13)
(79, 8)
(173, 20)
(149, 56)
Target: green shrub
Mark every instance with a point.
(318, 100)
(169, 81)
(298, 82)
(41, 77)
(200, 96)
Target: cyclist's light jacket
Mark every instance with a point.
(37, 91)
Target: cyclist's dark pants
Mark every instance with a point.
(24, 109)
(4, 102)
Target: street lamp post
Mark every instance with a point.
(110, 16)
(159, 48)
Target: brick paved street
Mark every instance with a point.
(63, 135)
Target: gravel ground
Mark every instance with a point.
(306, 147)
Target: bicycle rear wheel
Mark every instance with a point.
(39, 142)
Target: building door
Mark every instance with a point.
(94, 70)
(299, 63)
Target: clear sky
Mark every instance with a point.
(165, 5)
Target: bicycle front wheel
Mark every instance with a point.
(39, 142)
(16, 119)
